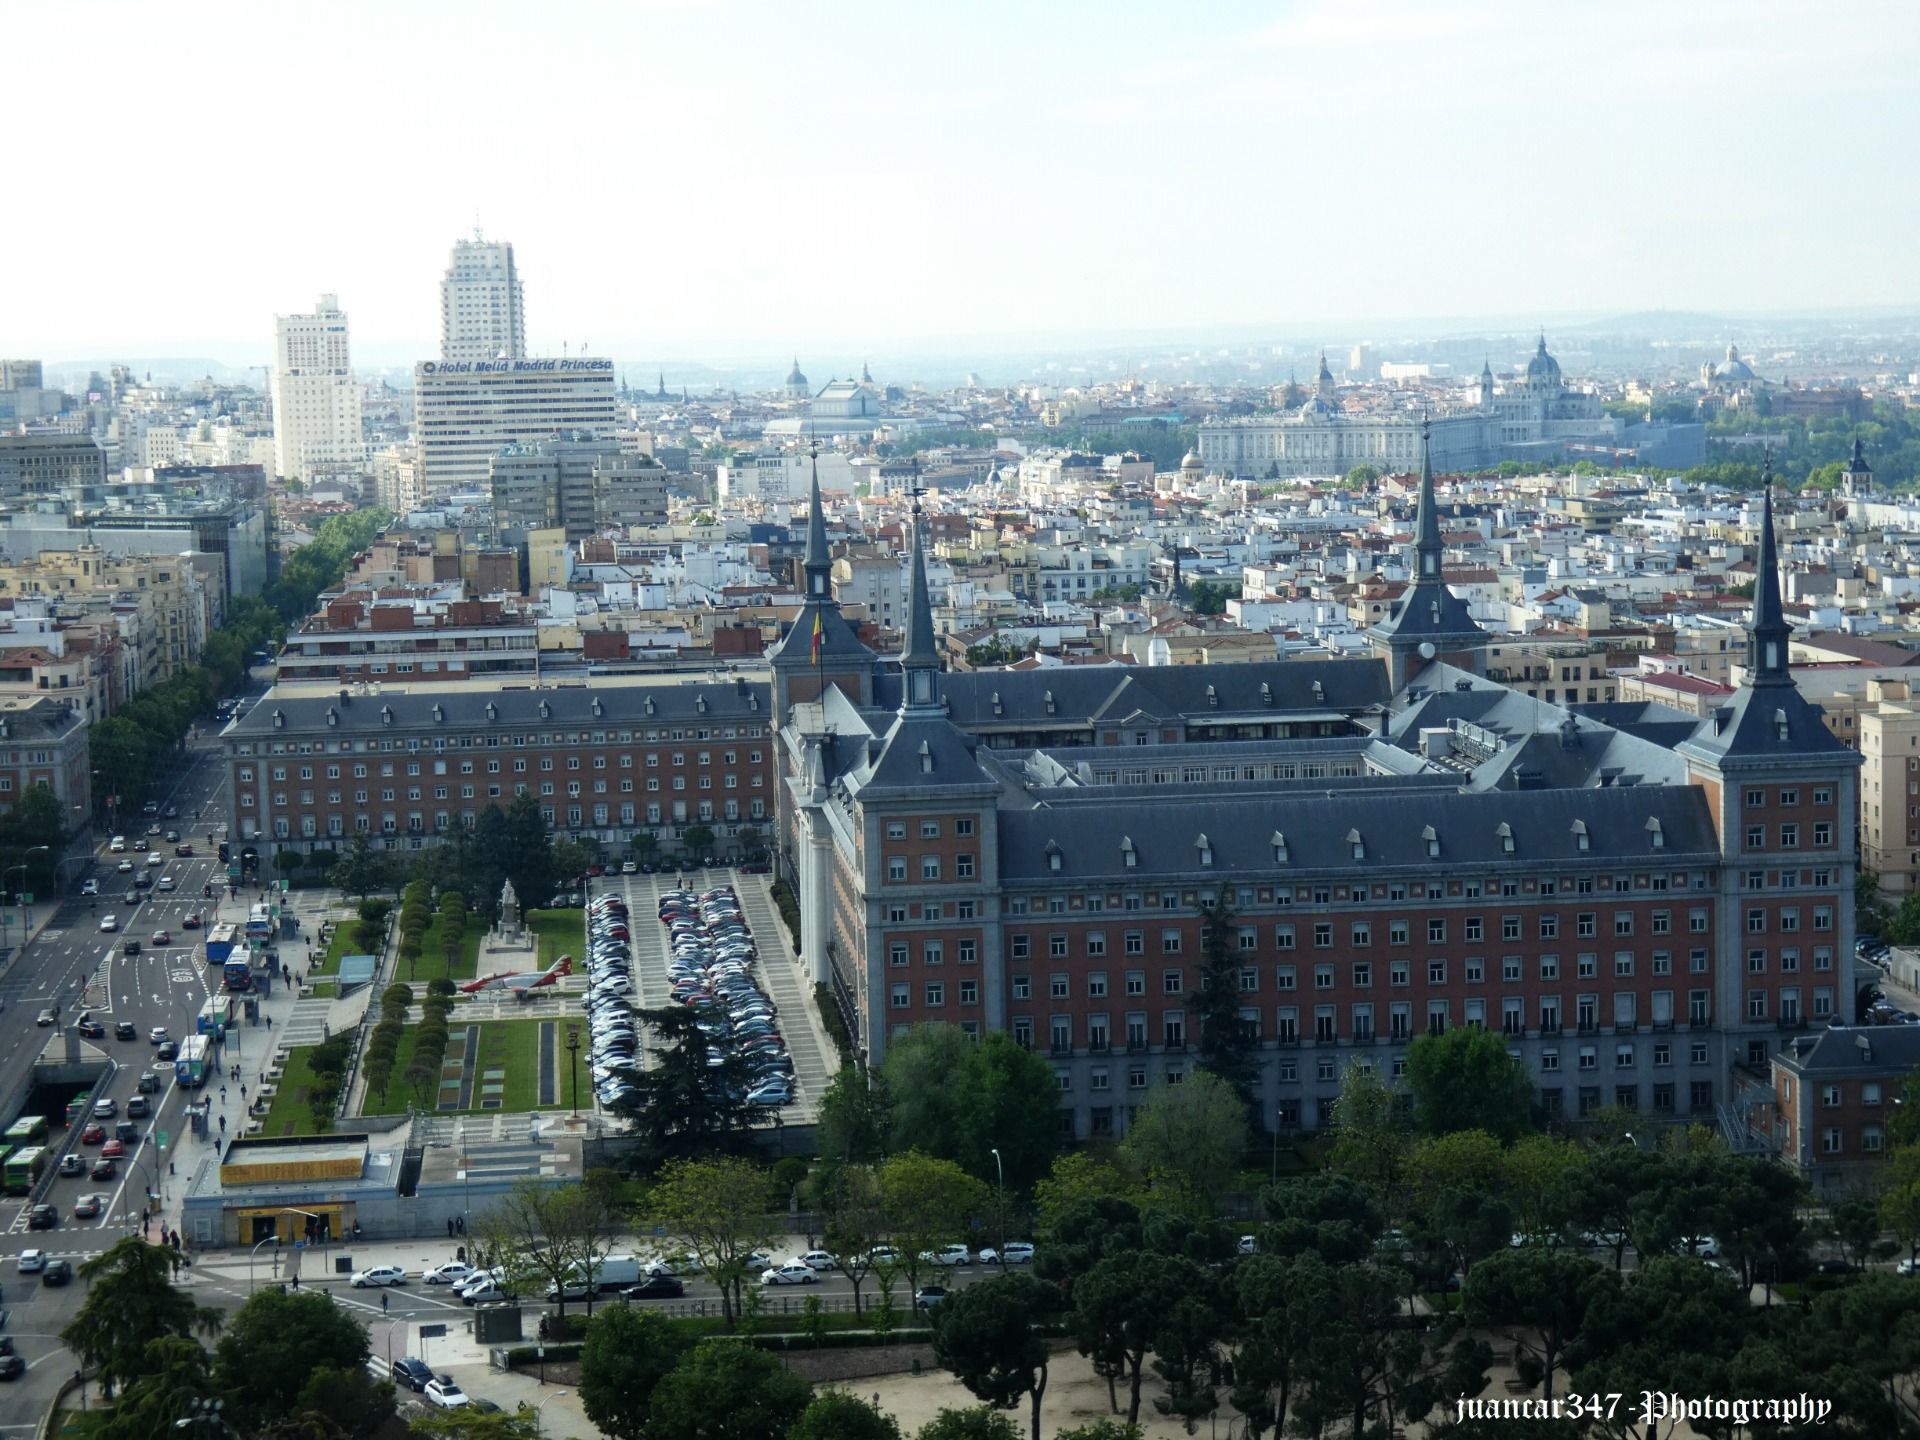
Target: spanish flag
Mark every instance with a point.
(816, 637)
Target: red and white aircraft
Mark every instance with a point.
(521, 984)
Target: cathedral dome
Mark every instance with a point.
(794, 377)
(1543, 368)
(1192, 461)
(1316, 406)
(1733, 367)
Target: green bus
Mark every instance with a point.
(79, 1107)
(24, 1167)
(27, 1130)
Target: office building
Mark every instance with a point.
(316, 405)
(481, 312)
(1644, 910)
(36, 466)
(576, 483)
(467, 410)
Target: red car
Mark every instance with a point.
(113, 1149)
(93, 1134)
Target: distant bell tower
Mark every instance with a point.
(1857, 482)
(1429, 622)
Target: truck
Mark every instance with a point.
(614, 1272)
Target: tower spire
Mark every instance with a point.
(1426, 531)
(1769, 631)
(920, 661)
(818, 562)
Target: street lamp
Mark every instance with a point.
(1000, 1204)
(273, 1240)
(26, 921)
(541, 1406)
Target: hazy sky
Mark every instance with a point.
(691, 180)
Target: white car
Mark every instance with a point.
(444, 1393)
(674, 1265)
(949, 1255)
(165, 882)
(108, 924)
(118, 845)
(820, 1260)
(454, 1272)
(793, 1272)
(32, 1262)
(484, 1293)
(1017, 1252)
(89, 887)
(1908, 1266)
(379, 1275)
(154, 857)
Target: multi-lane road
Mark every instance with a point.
(73, 964)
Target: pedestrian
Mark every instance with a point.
(270, 1025)
(243, 1089)
(383, 1302)
(169, 1167)
(296, 1279)
(223, 1124)
(449, 1229)
(223, 1094)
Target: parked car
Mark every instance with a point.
(379, 1275)
(949, 1255)
(655, 1287)
(820, 1260)
(444, 1393)
(454, 1272)
(1015, 1252)
(927, 1297)
(411, 1374)
(12, 1367)
(793, 1272)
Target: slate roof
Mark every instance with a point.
(448, 706)
(1888, 1048)
(1544, 824)
(1763, 723)
(1087, 693)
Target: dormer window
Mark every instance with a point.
(1055, 858)
(1505, 832)
(1356, 847)
(1203, 847)
(1656, 837)
(279, 719)
(1432, 837)
(1266, 694)
(1780, 725)
(546, 711)
(333, 716)
(439, 715)
(493, 711)
(1279, 844)
(596, 706)
(1129, 856)
(996, 703)
(1047, 700)
(1319, 693)
(926, 758)
(386, 715)
(1213, 698)
(1581, 840)
(649, 706)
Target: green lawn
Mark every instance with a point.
(509, 1045)
(340, 944)
(432, 963)
(560, 932)
(289, 1114)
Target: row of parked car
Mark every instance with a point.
(614, 1052)
(710, 960)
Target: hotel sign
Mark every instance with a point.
(510, 367)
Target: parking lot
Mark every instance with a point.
(776, 970)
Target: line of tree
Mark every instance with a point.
(322, 562)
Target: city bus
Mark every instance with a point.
(23, 1168)
(220, 942)
(237, 970)
(215, 1016)
(27, 1130)
(79, 1107)
(196, 1054)
(260, 922)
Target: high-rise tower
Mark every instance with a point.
(316, 405)
(481, 314)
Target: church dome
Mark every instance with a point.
(794, 377)
(1316, 406)
(1733, 367)
(1192, 461)
(1543, 368)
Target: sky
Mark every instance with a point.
(717, 181)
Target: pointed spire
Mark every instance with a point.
(1426, 531)
(920, 662)
(1769, 631)
(818, 561)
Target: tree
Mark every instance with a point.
(837, 1415)
(1855, 1223)
(987, 1337)
(1285, 1302)
(854, 1217)
(1077, 1176)
(352, 1404)
(1464, 1079)
(628, 1352)
(855, 1112)
(1361, 476)
(1370, 1141)
(362, 870)
(959, 1099)
(1326, 1214)
(131, 1302)
(1226, 1043)
(1189, 1136)
(717, 1210)
(1538, 1175)
(724, 1390)
(1120, 1307)
(1085, 1231)
(698, 839)
(469, 1423)
(175, 1373)
(928, 1204)
(1101, 1429)
(976, 1422)
(275, 1342)
(1541, 1296)
(682, 1105)
(1204, 597)
(543, 1235)
(1900, 1210)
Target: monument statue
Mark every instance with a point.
(509, 910)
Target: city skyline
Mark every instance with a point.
(1230, 167)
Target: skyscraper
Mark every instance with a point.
(481, 317)
(316, 405)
